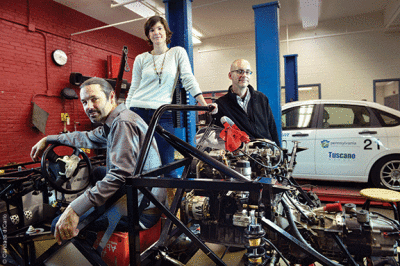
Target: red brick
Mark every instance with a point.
(23, 56)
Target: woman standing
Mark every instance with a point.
(154, 77)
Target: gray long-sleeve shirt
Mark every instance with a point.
(122, 135)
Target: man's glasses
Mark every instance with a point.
(241, 72)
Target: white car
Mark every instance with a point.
(354, 141)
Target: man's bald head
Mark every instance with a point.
(240, 75)
(238, 63)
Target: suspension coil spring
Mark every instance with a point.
(256, 254)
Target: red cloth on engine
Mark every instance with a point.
(333, 207)
(233, 137)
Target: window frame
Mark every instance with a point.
(380, 119)
(374, 121)
(313, 122)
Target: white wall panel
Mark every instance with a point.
(344, 55)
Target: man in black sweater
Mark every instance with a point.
(247, 108)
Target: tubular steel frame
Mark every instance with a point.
(143, 180)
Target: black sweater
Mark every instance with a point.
(257, 123)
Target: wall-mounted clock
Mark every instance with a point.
(59, 57)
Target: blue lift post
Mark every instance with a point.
(291, 79)
(267, 56)
(179, 16)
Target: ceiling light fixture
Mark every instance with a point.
(149, 8)
(309, 13)
(196, 33)
(122, 3)
(196, 40)
(142, 8)
(305, 88)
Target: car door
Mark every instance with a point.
(346, 141)
(297, 125)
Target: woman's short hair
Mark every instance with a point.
(153, 21)
(104, 85)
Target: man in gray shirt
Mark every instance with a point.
(122, 134)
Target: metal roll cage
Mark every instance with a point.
(141, 181)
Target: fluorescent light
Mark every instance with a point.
(123, 3)
(196, 36)
(149, 8)
(305, 88)
(142, 8)
(309, 13)
(195, 39)
(196, 33)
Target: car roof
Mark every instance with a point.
(363, 103)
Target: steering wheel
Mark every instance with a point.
(63, 172)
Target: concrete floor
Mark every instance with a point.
(230, 258)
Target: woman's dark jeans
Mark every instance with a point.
(165, 149)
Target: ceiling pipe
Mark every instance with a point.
(393, 17)
(108, 26)
(210, 4)
(333, 35)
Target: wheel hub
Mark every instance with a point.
(395, 174)
(390, 174)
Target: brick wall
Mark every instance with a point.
(29, 32)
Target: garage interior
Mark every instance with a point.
(348, 51)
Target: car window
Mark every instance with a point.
(387, 119)
(345, 116)
(297, 117)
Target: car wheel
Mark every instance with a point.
(386, 173)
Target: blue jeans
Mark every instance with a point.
(165, 149)
(101, 224)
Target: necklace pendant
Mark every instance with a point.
(155, 67)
